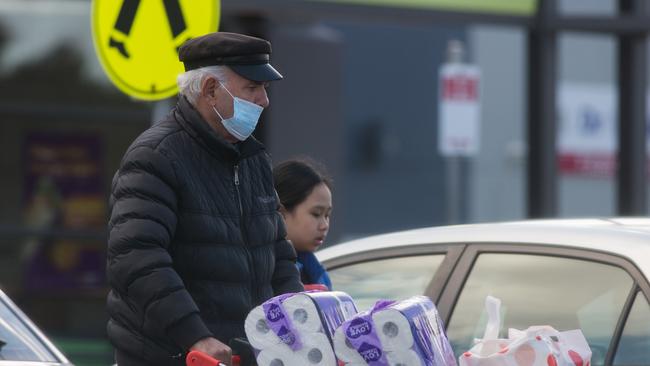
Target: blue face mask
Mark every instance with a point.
(244, 118)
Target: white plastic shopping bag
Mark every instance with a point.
(535, 346)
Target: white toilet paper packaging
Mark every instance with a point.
(419, 317)
(397, 332)
(335, 307)
(280, 323)
(279, 355)
(345, 351)
(257, 330)
(362, 336)
(301, 324)
(316, 351)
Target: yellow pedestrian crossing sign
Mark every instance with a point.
(137, 41)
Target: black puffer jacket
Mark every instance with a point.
(195, 240)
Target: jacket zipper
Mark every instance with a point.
(243, 233)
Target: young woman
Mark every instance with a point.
(306, 201)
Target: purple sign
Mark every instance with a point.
(64, 191)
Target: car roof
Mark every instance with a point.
(628, 237)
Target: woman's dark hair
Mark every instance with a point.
(295, 179)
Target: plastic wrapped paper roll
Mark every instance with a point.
(280, 355)
(316, 350)
(257, 330)
(303, 312)
(394, 330)
(344, 350)
(404, 358)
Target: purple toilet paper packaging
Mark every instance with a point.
(363, 337)
(407, 332)
(280, 323)
(298, 328)
(430, 341)
(335, 307)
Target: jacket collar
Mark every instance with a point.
(192, 122)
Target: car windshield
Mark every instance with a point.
(17, 341)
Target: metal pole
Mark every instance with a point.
(542, 167)
(632, 73)
(160, 108)
(454, 194)
(454, 164)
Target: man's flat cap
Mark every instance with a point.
(245, 55)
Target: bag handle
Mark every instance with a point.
(493, 309)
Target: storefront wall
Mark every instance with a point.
(361, 96)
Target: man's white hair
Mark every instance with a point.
(189, 82)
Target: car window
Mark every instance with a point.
(395, 278)
(20, 343)
(542, 290)
(634, 346)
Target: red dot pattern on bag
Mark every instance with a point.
(467, 354)
(538, 338)
(525, 355)
(575, 357)
(551, 361)
(504, 350)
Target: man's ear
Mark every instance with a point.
(209, 88)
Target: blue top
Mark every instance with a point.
(311, 271)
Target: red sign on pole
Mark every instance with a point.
(459, 112)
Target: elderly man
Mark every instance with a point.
(196, 240)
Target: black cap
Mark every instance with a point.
(245, 55)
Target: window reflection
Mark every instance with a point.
(542, 290)
(395, 278)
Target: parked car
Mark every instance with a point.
(21, 342)
(588, 274)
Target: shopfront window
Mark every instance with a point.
(63, 129)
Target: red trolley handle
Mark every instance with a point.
(198, 358)
(316, 287)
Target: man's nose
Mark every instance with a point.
(263, 99)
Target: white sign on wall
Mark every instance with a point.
(588, 129)
(459, 110)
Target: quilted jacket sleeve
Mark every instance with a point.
(142, 224)
(286, 277)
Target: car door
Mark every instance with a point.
(604, 295)
(395, 273)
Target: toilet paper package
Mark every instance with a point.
(414, 324)
(320, 311)
(298, 329)
(409, 332)
(357, 340)
(260, 335)
(279, 322)
(275, 356)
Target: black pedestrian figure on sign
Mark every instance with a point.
(126, 17)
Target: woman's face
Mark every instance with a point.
(309, 222)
